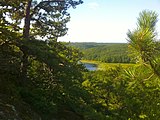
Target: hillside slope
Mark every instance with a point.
(105, 52)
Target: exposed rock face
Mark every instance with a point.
(11, 109)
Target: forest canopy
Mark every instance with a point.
(104, 52)
(42, 79)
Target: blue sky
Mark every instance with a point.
(106, 20)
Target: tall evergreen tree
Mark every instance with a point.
(32, 19)
(48, 71)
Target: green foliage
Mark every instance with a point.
(130, 93)
(47, 18)
(105, 52)
(56, 87)
(51, 84)
(142, 40)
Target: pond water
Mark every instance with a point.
(90, 66)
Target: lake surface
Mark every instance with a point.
(90, 66)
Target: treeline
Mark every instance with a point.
(132, 93)
(39, 79)
(105, 52)
(42, 80)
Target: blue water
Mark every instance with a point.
(90, 66)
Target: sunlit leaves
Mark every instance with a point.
(143, 80)
(147, 20)
(52, 74)
(142, 39)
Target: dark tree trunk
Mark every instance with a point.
(27, 19)
(26, 29)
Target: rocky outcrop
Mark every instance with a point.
(14, 109)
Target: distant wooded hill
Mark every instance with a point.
(105, 52)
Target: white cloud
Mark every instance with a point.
(93, 5)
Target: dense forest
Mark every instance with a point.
(41, 78)
(105, 52)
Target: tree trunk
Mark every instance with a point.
(27, 19)
(26, 29)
